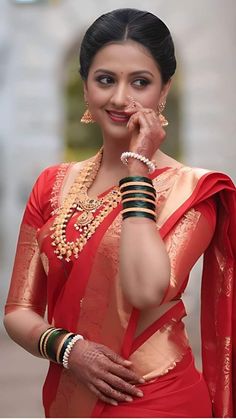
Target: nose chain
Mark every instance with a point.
(92, 212)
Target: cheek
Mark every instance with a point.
(150, 102)
(97, 98)
(149, 98)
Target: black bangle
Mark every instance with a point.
(127, 195)
(139, 188)
(139, 204)
(138, 214)
(135, 179)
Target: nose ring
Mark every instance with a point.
(133, 103)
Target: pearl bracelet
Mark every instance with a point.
(130, 154)
(68, 350)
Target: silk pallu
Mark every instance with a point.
(85, 297)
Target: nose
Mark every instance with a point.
(119, 98)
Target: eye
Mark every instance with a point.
(141, 82)
(105, 80)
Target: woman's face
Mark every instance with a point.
(119, 71)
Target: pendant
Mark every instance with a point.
(89, 204)
(83, 221)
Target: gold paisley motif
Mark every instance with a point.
(226, 344)
(45, 262)
(28, 278)
(60, 176)
(180, 238)
(226, 269)
(160, 352)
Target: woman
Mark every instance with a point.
(112, 262)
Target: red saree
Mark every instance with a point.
(85, 296)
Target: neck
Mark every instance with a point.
(112, 150)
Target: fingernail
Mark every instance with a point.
(142, 381)
(126, 362)
(114, 403)
(140, 394)
(129, 399)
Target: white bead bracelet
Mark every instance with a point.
(130, 154)
(68, 350)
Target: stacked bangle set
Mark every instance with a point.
(138, 197)
(56, 344)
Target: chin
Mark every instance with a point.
(118, 133)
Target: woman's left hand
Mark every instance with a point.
(147, 134)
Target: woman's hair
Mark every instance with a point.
(130, 24)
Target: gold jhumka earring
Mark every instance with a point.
(160, 109)
(87, 117)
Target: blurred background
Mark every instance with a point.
(41, 103)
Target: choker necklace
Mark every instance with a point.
(91, 211)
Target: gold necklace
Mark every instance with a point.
(87, 222)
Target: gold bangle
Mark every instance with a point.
(138, 210)
(139, 191)
(42, 338)
(138, 183)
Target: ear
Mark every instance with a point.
(164, 91)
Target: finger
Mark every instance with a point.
(139, 119)
(154, 121)
(135, 120)
(152, 115)
(149, 119)
(119, 384)
(101, 396)
(133, 106)
(116, 358)
(126, 374)
(111, 392)
(132, 122)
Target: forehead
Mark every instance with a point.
(126, 56)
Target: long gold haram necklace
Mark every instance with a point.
(87, 222)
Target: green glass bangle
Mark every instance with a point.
(65, 344)
(138, 187)
(138, 214)
(137, 195)
(44, 342)
(50, 346)
(135, 179)
(139, 204)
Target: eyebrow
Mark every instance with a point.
(134, 73)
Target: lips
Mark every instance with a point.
(117, 116)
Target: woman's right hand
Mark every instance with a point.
(104, 372)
